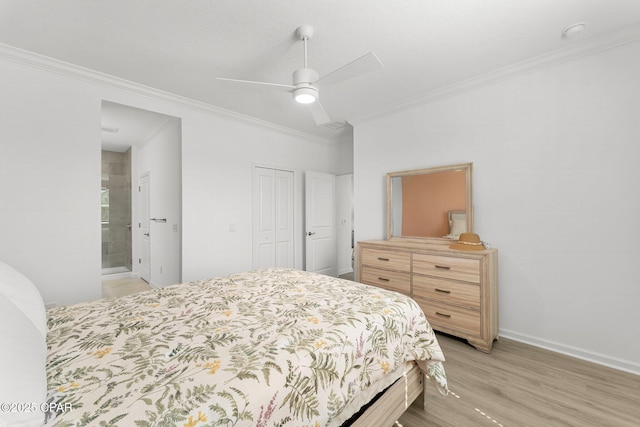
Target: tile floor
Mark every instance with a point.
(122, 287)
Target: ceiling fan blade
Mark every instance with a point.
(364, 64)
(319, 114)
(257, 84)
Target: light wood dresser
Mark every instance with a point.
(457, 290)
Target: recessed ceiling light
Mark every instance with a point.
(574, 29)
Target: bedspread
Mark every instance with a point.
(269, 347)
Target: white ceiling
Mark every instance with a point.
(425, 45)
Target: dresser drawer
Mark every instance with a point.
(445, 317)
(400, 261)
(447, 267)
(392, 280)
(448, 291)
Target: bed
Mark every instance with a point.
(274, 347)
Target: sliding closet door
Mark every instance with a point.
(272, 218)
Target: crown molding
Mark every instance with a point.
(159, 127)
(559, 56)
(41, 62)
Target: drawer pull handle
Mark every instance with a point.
(383, 259)
(382, 279)
(443, 267)
(444, 291)
(443, 315)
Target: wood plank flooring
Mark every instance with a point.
(521, 385)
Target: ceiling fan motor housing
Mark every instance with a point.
(304, 75)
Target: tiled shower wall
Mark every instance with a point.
(116, 235)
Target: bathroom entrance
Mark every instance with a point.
(141, 240)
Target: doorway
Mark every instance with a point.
(148, 142)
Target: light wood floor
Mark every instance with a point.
(521, 385)
(122, 287)
(347, 276)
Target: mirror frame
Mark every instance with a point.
(467, 167)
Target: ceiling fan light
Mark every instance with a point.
(305, 98)
(305, 95)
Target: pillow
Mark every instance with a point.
(461, 216)
(18, 289)
(458, 227)
(23, 376)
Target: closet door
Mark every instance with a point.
(272, 218)
(284, 219)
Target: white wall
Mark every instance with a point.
(217, 190)
(50, 175)
(160, 156)
(555, 187)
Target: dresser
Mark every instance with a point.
(457, 290)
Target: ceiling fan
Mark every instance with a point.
(307, 84)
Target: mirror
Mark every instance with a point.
(433, 203)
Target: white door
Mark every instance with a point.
(320, 214)
(272, 218)
(144, 261)
(284, 219)
(344, 223)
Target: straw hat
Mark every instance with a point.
(468, 242)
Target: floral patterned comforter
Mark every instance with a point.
(273, 347)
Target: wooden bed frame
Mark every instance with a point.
(395, 400)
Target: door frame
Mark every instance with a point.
(141, 219)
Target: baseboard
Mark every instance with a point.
(122, 275)
(117, 276)
(600, 359)
(345, 271)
